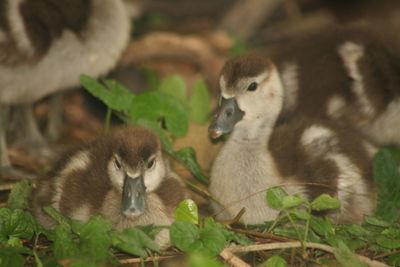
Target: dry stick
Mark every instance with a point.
(233, 260)
(386, 254)
(148, 259)
(298, 244)
(263, 235)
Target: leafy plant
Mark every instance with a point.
(164, 110)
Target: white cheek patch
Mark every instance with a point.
(116, 175)
(335, 107)
(154, 176)
(79, 161)
(351, 53)
(290, 81)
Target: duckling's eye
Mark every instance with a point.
(151, 163)
(117, 164)
(252, 87)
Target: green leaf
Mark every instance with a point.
(346, 257)
(230, 236)
(292, 201)
(116, 97)
(275, 261)
(16, 223)
(325, 202)
(275, 196)
(357, 230)
(322, 226)
(57, 216)
(95, 240)
(64, 243)
(134, 241)
(187, 211)
(174, 86)
(375, 221)
(387, 242)
(301, 214)
(200, 260)
(187, 156)
(200, 102)
(19, 195)
(387, 177)
(212, 241)
(157, 106)
(11, 257)
(183, 235)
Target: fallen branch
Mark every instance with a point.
(231, 259)
(298, 244)
(148, 259)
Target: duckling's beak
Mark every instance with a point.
(227, 116)
(133, 196)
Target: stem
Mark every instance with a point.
(108, 119)
(307, 223)
(295, 227)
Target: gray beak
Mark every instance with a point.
(133, 196)
(227, 116)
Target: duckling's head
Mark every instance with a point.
(136, 167)
(250, 90)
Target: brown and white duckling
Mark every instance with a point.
(121, 176)
(348, 74)
(306, 155)
(46, 45)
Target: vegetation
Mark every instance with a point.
(296, 237)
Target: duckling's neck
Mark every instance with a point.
(257, 130)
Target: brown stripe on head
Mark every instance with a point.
(250, 65)
(134, 145)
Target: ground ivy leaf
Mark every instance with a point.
(375, 221)
(64, 243)
(325, 202)
(57, 216)
(187, 211)
(275, 261)
(322, 226)
(200, 260)
(346, 257)
(157, 106)
(213, 241)
(174, 86)
(275, 196)
(387, 177)
(357, 230)
(301, 214)
(200, 102)
(11, 257)
(387, 242)
(16, 223)
(95, 240)
(230, 236)
(187, 156)
(183, 235)
(18, 198)
(134, 241)
(292, 201)
(123, 96)
(115, 98)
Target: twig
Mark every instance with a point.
(148, 259)
(233, 260)
(386, 254)
(298, 244)
(263, 235)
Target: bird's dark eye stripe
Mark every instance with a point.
(117, 163)
(150, 164)
(252, 87)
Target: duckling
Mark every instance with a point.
(305, 155)
(121, 176)
(46, 45)
(348, 74)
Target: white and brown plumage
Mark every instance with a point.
(346, 74)
(306, 154)
(121, 176)
(46, 45)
